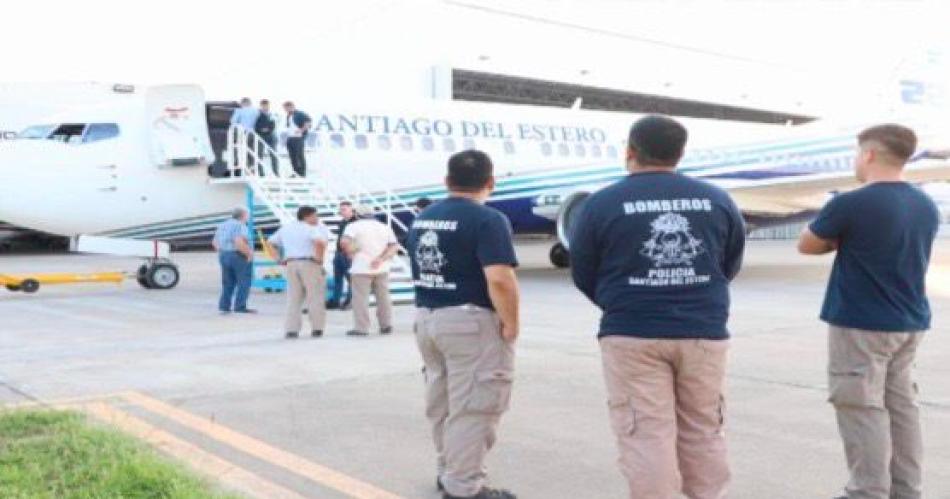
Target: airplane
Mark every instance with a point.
(157, 162)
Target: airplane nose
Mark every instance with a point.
(43, 186)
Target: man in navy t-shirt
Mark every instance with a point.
(467, 320)
(877, 311)
(656, 251)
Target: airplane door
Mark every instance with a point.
(177, 126)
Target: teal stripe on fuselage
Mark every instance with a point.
(512, 187)
(505, 185)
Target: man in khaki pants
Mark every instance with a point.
(371, 245)
(467, 320)
(302, 244)
(656, 251)
(877, 310)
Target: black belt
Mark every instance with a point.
(310, 259)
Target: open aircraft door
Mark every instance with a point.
(177, 125)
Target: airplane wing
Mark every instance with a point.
(789, 196)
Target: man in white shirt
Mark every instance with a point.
(302, 245)
(371, 245)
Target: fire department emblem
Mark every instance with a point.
(670, 241)
(428, 256)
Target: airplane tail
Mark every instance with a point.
(920, 87)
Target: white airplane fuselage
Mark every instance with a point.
(142, 172)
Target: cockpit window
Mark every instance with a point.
(36, 132)
(72, 133)
(100, 131)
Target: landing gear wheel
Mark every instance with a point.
(560, 256)
(142, 277)
(13, 287)
(162, 276)
(30, 285)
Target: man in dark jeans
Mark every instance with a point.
(298, 126)
(235, 255)
(264, 127)
(341, 263)
(877, 312)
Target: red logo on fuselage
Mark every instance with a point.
(176, 112)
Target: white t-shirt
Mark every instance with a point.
(292, 130)
(296, 239)
(370, 237)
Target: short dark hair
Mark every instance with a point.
(305, 211)
(346, 203)
(245, 100)
(469, 171)
(658, 140)
(288, 103)
(265, 102)
(897, 140)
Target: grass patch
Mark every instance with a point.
(59, 454)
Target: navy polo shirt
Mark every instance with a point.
(656, 251)
(449, 244)
(885, 232)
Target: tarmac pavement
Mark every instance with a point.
(343, 417)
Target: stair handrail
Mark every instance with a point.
(240, 144)
(358, 192)
(276, 191)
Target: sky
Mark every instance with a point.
(805, 56)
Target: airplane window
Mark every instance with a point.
(563, 150)
(469, 144)
(36, 132)
(337, 141)
(405, 142)
(611, 151)
(509, 147)
(71, 133)
(100, 131)
(427, 143)
(361, 141)
(312, 141)
(384, 142)
(448, 144)
(546, 148)
(595, 150)
(579, 150)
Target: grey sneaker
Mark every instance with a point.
(386, 330)
(355, 332)
(291, 335)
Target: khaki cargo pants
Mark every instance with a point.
(666, 408)
(468, 370)
(361, 285)
(875, 399)
(306, 288)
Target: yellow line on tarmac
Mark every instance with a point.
(229, 474)
(323, 475)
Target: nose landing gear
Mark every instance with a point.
(560, 257)
(158, 273)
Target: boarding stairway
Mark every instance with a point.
(249, 161)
